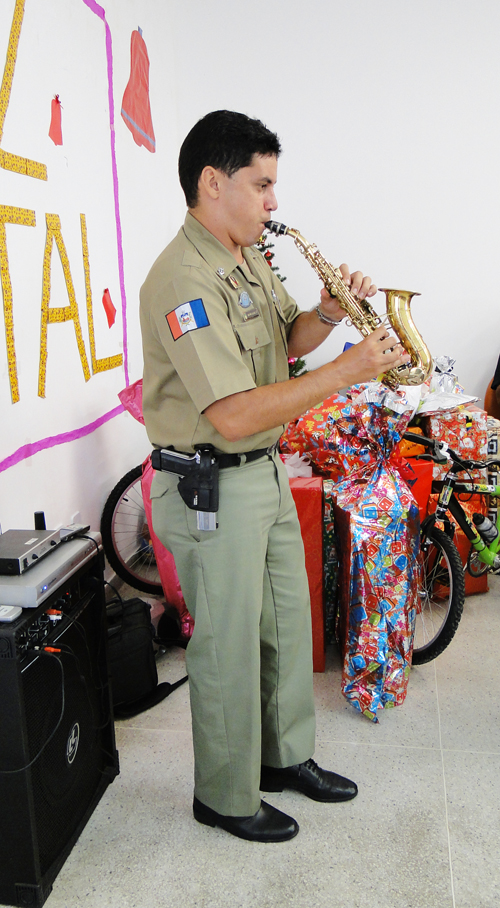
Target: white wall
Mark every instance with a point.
(388, 114)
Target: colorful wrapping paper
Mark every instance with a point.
(330, 563)
(463, 429)
(493, 430)
(377, 526)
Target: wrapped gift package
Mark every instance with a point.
(471, 504)
(421, 487)
(493, 430)
(331, 564)
(418, 477)
(308, 497)
(465, 430)
(377, 526)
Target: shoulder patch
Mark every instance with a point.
(187, 317)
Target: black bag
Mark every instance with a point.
(132, 664)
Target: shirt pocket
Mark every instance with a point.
(253, 338)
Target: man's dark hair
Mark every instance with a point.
(225, 140)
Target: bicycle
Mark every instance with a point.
(442, 586)
(125, 535)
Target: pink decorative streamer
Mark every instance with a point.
(99, 11)
(54, 440)
(28, 450)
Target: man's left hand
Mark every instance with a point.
(360, 286)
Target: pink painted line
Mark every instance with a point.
(99, 11)
(54, 440)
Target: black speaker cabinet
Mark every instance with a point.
(57, 743)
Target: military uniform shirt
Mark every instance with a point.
(239, 318)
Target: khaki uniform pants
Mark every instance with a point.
(250, 657)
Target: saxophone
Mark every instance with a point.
(363, 316)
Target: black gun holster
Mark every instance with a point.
(199, 482)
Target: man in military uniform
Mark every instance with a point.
(218, 328)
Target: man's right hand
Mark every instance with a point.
(374, 355)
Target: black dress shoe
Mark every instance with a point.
(267, 825)
(316, 783)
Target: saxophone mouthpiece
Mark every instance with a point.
(276, 228)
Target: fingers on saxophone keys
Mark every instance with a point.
(346, 274)
(397, 355)
(361, 285)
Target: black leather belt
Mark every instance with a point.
(234, 460)
(169, 460)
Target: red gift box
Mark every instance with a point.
(422, 483)
(308, 497)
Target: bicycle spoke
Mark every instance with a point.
(441, 592)
(130, 537)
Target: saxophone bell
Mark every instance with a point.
(399, 315)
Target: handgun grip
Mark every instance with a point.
(172, 462)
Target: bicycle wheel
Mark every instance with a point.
(125, 535)
(475, 566)
(441, 594)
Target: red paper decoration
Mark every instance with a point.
(108, 308)
(55, 131)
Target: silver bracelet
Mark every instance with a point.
(324, 318)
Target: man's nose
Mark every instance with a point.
(271, 201)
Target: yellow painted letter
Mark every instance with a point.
(13, 161)
(9, 215)
(60, 313)
(107, 362)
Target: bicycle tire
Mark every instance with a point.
(441, 594)
(476, 567)
(125, 535)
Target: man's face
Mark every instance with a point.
(247, 200)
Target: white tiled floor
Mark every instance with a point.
(424, 831)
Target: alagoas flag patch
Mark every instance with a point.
(187, 317)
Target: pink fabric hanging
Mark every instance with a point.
(136, 111)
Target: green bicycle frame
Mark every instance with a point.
(448, 501)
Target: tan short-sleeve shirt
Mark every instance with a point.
(210, 328)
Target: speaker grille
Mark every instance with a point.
(64, 697)
(57, 744)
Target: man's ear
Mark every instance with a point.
(210, 182)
